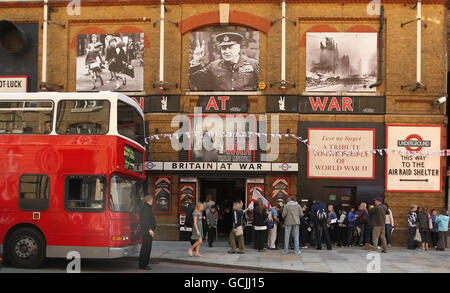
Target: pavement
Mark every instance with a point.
(339, 260)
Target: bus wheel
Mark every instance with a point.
(26, 248)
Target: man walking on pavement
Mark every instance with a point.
(291, 215)
(319, 217)
(148, 227)
(378, 215)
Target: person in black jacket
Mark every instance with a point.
(319, 222)
(148, 227)
(260, 226)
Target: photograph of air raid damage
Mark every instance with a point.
(208, 135)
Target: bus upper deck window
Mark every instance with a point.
(21, 117)
(83, 117)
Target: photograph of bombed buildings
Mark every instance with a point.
(341, 62)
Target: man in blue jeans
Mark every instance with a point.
(292, 213)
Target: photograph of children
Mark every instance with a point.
(161, 192)
(224, 59)
(341, 62)
(110, 62)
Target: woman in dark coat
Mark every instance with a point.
(260, 226)
(117, 62)
(423, 219)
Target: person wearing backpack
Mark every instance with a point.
(291, 214)
(319, 218)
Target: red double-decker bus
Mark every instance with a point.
(71, 175)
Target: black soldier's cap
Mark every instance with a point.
(227, 39)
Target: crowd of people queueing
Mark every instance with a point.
(293, 226)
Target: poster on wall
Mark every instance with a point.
(410, 164)
(162, 189)
(280, 191)
(224, 59)
(186, 190)
(223, 138)
(107, 62)
(341, 153)
(341, 62)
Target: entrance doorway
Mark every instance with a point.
(341, 197)
(223, 192)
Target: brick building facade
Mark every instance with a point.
(365, 113)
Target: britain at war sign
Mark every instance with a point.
(413, 162)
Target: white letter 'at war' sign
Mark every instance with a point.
(341, 153)
(411, 164)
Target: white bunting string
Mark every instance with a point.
(315, 150)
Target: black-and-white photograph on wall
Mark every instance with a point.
(341, 62)
(110, 62)
(224, 59)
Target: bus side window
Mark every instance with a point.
(34, 192)
(84, 192)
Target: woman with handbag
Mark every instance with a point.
(260, 218)
(237, 230)
(117, 62)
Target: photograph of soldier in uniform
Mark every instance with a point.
(217, 61)
(110, 62)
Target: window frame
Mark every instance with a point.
(48, 195)
(58, 107)
(84, 209)
(135, 138)
(110, 195)
(27, 109)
